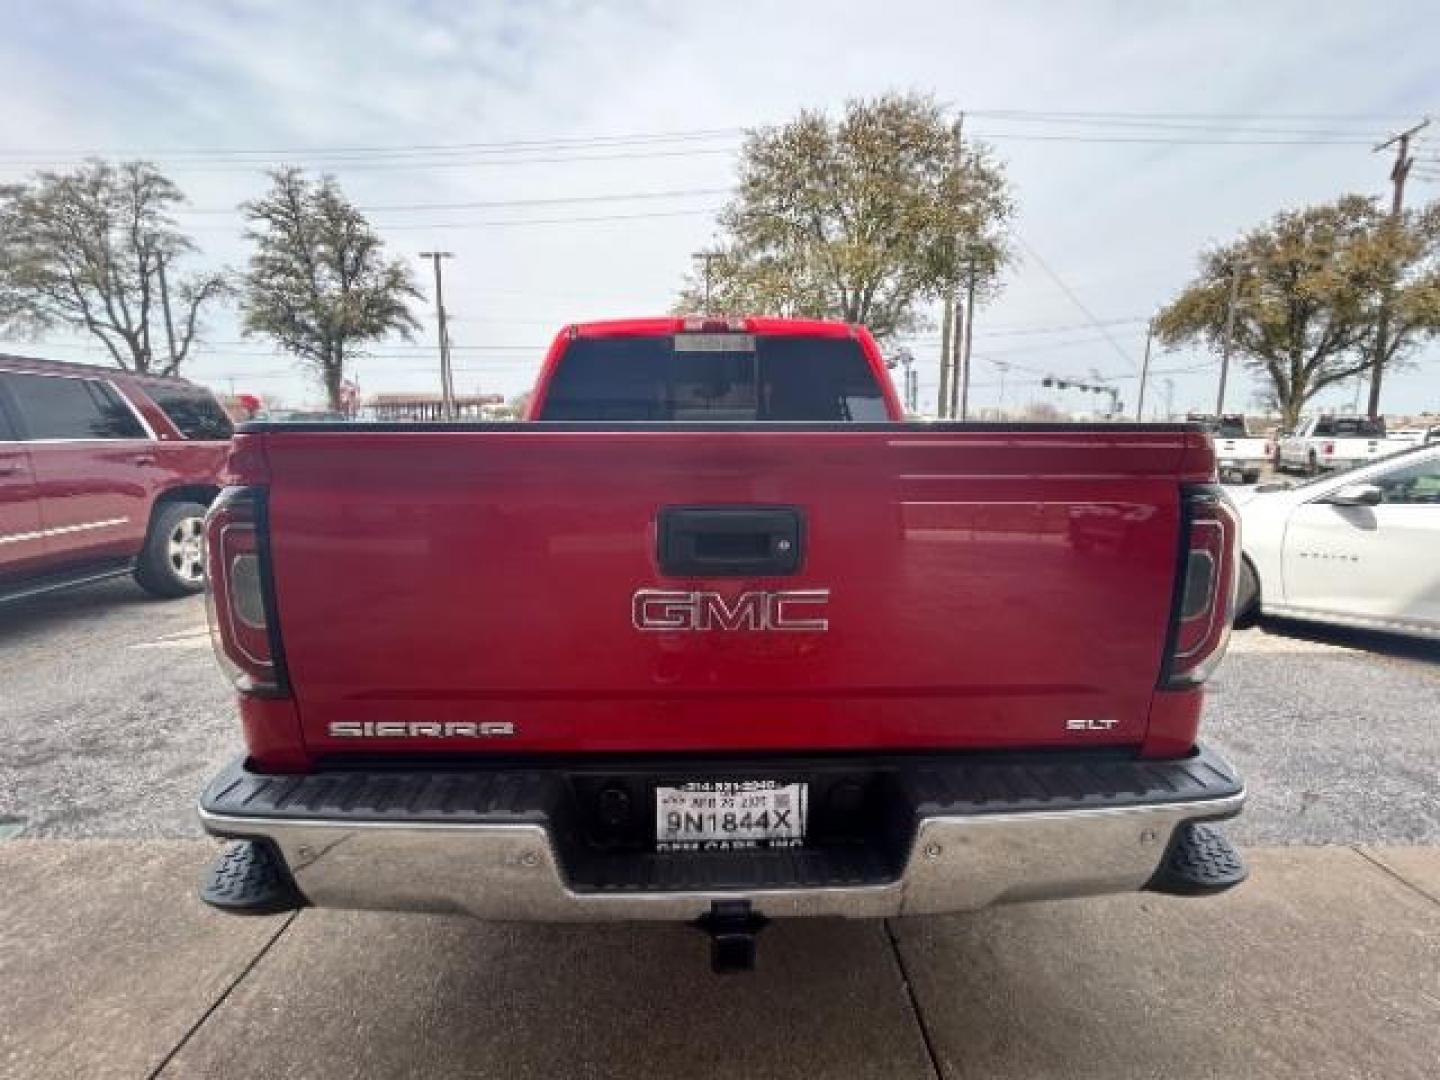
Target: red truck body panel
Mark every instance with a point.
(989, 587)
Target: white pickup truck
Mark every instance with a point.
(1319, 443)
(1237, 452)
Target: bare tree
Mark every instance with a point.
(97, 250)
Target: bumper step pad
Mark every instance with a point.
(249, 879)
(1200, 862)
(1031, 799)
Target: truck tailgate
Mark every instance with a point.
(982, 588)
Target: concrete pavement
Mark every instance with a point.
(1326, 963)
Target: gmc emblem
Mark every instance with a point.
(673, 609)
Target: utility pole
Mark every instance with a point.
(947, 331)
(957, 350)
(1229, 337)
(1398, 172)
(1003, 366)
(707, 259)
(906, 360)
(447, 383)
(968, 339)
(1144, 371)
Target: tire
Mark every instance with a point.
(1252, 477)
(172, 563)
(1247, 595)
(1312, 465)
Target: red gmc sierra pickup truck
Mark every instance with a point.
(716, 637)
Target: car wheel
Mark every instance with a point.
(1247, 595)
(172, 563)
(1312, 465)
(1252, 477)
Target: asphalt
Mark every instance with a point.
(1325, 964)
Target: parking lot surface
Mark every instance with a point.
(116, 716)
(1324, 964)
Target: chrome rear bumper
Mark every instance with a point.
(994, 851)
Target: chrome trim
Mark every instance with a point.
(63, 530)
(512, 872)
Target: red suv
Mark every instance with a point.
(104, 473)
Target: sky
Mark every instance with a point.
(589, 145)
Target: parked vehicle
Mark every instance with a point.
(1331, 442)
(718, 639)
(305, 416)
(104, 473)
(1240, 454)
(1360, 548)
(1404, 438)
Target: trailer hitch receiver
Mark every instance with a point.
(732, 926)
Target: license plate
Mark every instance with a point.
(730, 815)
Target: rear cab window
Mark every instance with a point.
(61, 407)
(1359, 428)
(714, 377)
(7, 428)
(192, 409)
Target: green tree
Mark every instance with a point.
(1406, 253)
(1309, 292)
(97, 250)
(861, 219)
(318, 281)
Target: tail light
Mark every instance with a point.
(240, 600)
(1204, 603)
(1327, 448)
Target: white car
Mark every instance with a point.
(1360, 548)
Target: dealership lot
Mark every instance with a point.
(114, 716)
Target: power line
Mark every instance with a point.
(404, 166)
(1165, 141)
(651, 145)
(490, 204)
(1127, 114)
(1118, 118)
(1016, 330)
(1074, 299)
(504, 223)
(510, 146)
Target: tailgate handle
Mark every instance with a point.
(730, 541)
